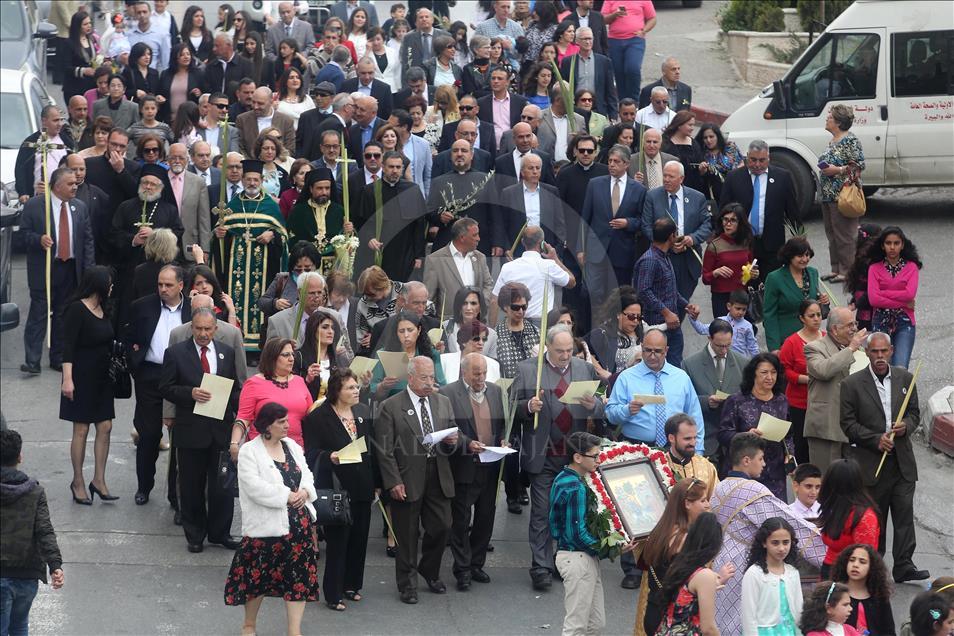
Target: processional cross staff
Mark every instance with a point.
(221, 210)
(43, 145)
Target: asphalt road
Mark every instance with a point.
(127, 569)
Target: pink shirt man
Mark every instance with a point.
(501, 116)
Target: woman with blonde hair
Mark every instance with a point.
(283, 159)
(160, 249)
(444, 111)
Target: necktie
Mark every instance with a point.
(63, 235)
(673, 209)
(374, 178)
(660, 413)
(563, 421)
(615, 202)
(205, 177)
(288, 30)
(754, 212)
(652, 179)
(205, 360)
(720, 368)
(234, 189)
(426, 425)
(428, 51)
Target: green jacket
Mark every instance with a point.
(782, 298)
(27, 539)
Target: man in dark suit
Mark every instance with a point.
(70, 244)
(339, 121)
(680, 94)
(769, 211)
(366, 124)
(709, 375)
(418, 45)
(500, 94)
(688, 209)
(593, 71)
(232, 167)
(97, 206)
(481, 160)
(200, 163)
(418, 475)
(199, 439)
(26, 170)
(415, 83)
(542, 451)
(585, 16)
(249, 124)
(310, 119)
(611, 218)
(289, 27)
(119, 177)
(146, 337)
(478, 410)
(225, 70)
(485, 139)
(530, 202)
(508, 164)
(241, 98)
(366, 84)
(334, 71)
(870, 404)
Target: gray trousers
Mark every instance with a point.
(842, 233)
(541, 543)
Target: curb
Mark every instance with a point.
(709, 115)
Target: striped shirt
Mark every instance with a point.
(568, 513)
(655, 280)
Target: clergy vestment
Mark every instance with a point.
(400, 211)
(249, 266)
(317, 224)
(469, 194)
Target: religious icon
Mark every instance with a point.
(638, 492)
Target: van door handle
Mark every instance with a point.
(884, 113)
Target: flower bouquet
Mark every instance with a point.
(345, 248)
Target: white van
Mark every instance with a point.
(893, 62)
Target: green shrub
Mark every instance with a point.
(751, 15)
(809, 10)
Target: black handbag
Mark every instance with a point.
(333, 505)
(756, 310)
(227, 474)
(119, 372)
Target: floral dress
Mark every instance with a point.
(839, 153)
(682, 615)
(285, 567)
(720, 165)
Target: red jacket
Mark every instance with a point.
(867, 531)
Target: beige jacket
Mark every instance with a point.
(828, 365)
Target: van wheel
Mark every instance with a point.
(869, 190)
(802, 177)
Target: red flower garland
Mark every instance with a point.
(618, 453)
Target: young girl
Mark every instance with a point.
(771, 586)
(827, 610)
(931, 615)
(848, 513)
(862, 569)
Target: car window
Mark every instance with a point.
(13, 25)
(846, 66)
(16, 120)
(38, 98)
(922, 63)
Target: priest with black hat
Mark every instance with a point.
(154, 207)
(252, 243)
(316, 218)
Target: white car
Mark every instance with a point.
(22, 97)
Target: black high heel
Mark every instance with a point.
(82, 502)
(93, 491)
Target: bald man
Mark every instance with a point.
(78, 123)
(465, 136)
(508, 163)
(97, 206)
(365, 84)
(263, 115)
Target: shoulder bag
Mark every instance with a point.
(227, 471)
(851, 199)
(333, 505)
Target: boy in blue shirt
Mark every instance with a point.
(743, 335)
(578, 552)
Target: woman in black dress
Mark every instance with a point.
(678, 141)
(87, 393)
(340, 420)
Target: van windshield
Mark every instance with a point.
(844, 66)
(13, 25)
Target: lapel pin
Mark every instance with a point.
(686, 199)
(221, 356)
(360, 420)
(410, 411)
(771, 180)
(904, 390)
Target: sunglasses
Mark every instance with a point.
(372, 155)
(222, 106)
(478, 339)
(468, 108)
(634, 317)
(526, 118)
(149, 150)
(586, 151)
(518, 307)
(586, 99)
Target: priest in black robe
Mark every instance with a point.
(393, 222)
(317, 219)
(462, 192)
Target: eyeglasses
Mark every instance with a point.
(586, 151)
(636, 317)
(729, 219)
(518, 307)
(478, 339)
(526, 118)
(286, 354)
(372, 155)
(593, 456)
(150, 150)
(653, 352)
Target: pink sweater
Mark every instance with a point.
(887, 292)
(849, 631)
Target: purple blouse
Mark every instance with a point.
(741, 413)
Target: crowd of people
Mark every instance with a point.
(522, 213)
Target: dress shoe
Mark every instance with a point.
(86, 501)
(437, 586)
(490, 547)
(463, 584)
(409, 597)
(229, 543)
(93, 491)
(391, 551)
(542, 581)
(135, 437)
(524, 500)
(195, 548)
(142, 498)
(513, 507)
(30, 368)
(177, 518)
(913, 575)
(479, 575)
(57, 366)
(630, 582)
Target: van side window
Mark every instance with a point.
(922, 63)
(845, 66)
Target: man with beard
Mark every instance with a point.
(135, 220)
(316, 218)
(394, 221)
(97, 206)
(461, 192)
(190, 192)
(117, 176)
(482, 160)
(254, 248)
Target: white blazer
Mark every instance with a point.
(760, 598)
(392, 74)
(263, 495)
